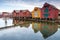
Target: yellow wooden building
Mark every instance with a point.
(36, 13)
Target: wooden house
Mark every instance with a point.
(36, 13)
(49, 11)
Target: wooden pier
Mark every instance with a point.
(37, 20)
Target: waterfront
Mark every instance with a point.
(28, 30)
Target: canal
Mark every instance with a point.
(28, 30)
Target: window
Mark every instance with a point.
(35, 14)
(59, 14)
(46, 9)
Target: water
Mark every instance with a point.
(28, 30)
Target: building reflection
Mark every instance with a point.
(46, 29)
(24, 24)
(21, 23)
(59, 26)
(36, 26)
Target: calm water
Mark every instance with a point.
(28, 30)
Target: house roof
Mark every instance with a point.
(47, 4)
(16, 11)
(36, 8)
(20, 11)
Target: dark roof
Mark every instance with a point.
(47, 5)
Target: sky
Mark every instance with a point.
(10, 5)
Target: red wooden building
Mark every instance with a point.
(24, 13)
(21, 13)
(49, 11)
(15, 13)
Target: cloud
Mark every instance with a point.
(9, 5)
(20, 6)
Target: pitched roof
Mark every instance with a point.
(16, 11)
(47, 4)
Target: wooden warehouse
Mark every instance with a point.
(36, 13)
(21, 14)
(49, 11)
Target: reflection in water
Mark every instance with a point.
(21, 23)
(24, 24)
(5, 22)
(47, 29)
(5, 19)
